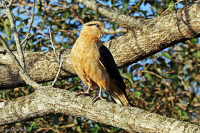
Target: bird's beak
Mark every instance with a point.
(105, 31)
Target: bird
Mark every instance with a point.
(95, 65)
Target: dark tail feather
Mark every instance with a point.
(118, 95)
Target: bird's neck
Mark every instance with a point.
(90, 34)
(90, 40)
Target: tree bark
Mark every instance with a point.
(54, 100)
(142, 40)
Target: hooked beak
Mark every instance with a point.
(105, 31)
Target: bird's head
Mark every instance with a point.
(94, 29)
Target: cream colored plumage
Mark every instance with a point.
(95, 65)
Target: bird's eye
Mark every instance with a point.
(97, 25)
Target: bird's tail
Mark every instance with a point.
(118, 95)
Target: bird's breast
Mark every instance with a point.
(85, 59)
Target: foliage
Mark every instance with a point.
(166, 83)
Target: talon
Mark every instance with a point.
(87, 93)
(83, 93)
(97, 98)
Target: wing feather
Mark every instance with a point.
(107, 61)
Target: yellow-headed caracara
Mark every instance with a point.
(95, 65)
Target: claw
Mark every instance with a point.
(98, 98)
(83, 93)
(87, 93)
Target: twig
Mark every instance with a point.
(149, 64)
(10, 3)
(1, 5)
(152, 73)
(156, 76)
(5, 51)
(20, 64)
(61, 62)
(130, 80)
(22, 72)
(27, 38)
(11, 18)
(2, 14)
(50, 38)
(170, 7)
(41, 31)
(76, 14)
(29, 28)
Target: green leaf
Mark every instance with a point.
(79, 121)
(170, 4)
(47, 83)
(90, 10)
(59, 10)
(153, 101)
(76, 78)
(7, 28)
(148, 76)
(113, 5)
(142, 85)
(83, 12)
(167, 55)
(173, 76)
(129, 75)
(117, 130)
(96, 14)
(66, 46)
(115, 26)
(185, 115)
(55, 120)
(137, 94)
(194, 41)
(152, 82)
(71, 89)
(120, 71)
(39, 13)
(96, 128)
(66, 15)
(198, 56)
(159, 70)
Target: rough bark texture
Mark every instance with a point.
(41, 67)
(139, 42)
(110, 13)
(53, 100)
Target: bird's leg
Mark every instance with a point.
(99, 97)
(87, 93)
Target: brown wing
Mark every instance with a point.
(108, 62)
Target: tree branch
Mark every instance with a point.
(11, 18)
(22, 72)
(54, 100)
(126, 20)
(156, 35)
(29, 28)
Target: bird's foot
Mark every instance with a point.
(97, 98)
(83, 93)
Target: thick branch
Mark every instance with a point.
(40, 66)
(22, 73)
(139, 43)
(156, 34)
(52, 100)
(110, 13)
